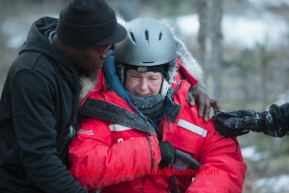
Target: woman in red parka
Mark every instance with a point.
(139, 133)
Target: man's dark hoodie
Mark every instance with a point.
(38, 110)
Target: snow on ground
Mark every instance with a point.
(282, 98)
(250, 153)
(277, 184)
(263, 3)
(246, 32)
(242, 31)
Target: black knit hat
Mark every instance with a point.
(89, 23)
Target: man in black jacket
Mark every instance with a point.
(38, 108)
(274, 122)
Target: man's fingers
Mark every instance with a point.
(190, 99)
(207, 108)
(215, 105)
(201, 102)
(204, 105)
(204, 102)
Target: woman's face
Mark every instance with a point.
(143, 83)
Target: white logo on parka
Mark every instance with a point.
(85, 132)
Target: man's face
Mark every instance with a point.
(89, 58)
(143, 83)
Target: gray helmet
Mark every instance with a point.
(149, 43)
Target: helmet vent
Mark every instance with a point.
(147, 35)
(132, 37)
(160, 36)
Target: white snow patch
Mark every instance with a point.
(263, 3)
(242, 31)
(275, 184)
(251, 153)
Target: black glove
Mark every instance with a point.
(168, 153)
(238, 123)
(182, 160)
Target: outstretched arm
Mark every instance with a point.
(274, 122)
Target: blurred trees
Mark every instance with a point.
(121, 8)
(240, 78)
(210, 38)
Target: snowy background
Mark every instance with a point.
(263, 22)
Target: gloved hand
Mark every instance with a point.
(238, 123)
(183, 160)
(168, 153)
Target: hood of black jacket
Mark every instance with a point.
(37, 40)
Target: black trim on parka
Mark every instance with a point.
(38, 105)
(110, 112)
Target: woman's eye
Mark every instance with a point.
(152, 78)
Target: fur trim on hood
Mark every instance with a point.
(88, 82)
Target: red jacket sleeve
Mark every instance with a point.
(222, 167)
(97, 162)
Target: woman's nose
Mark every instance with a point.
(143, 84)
